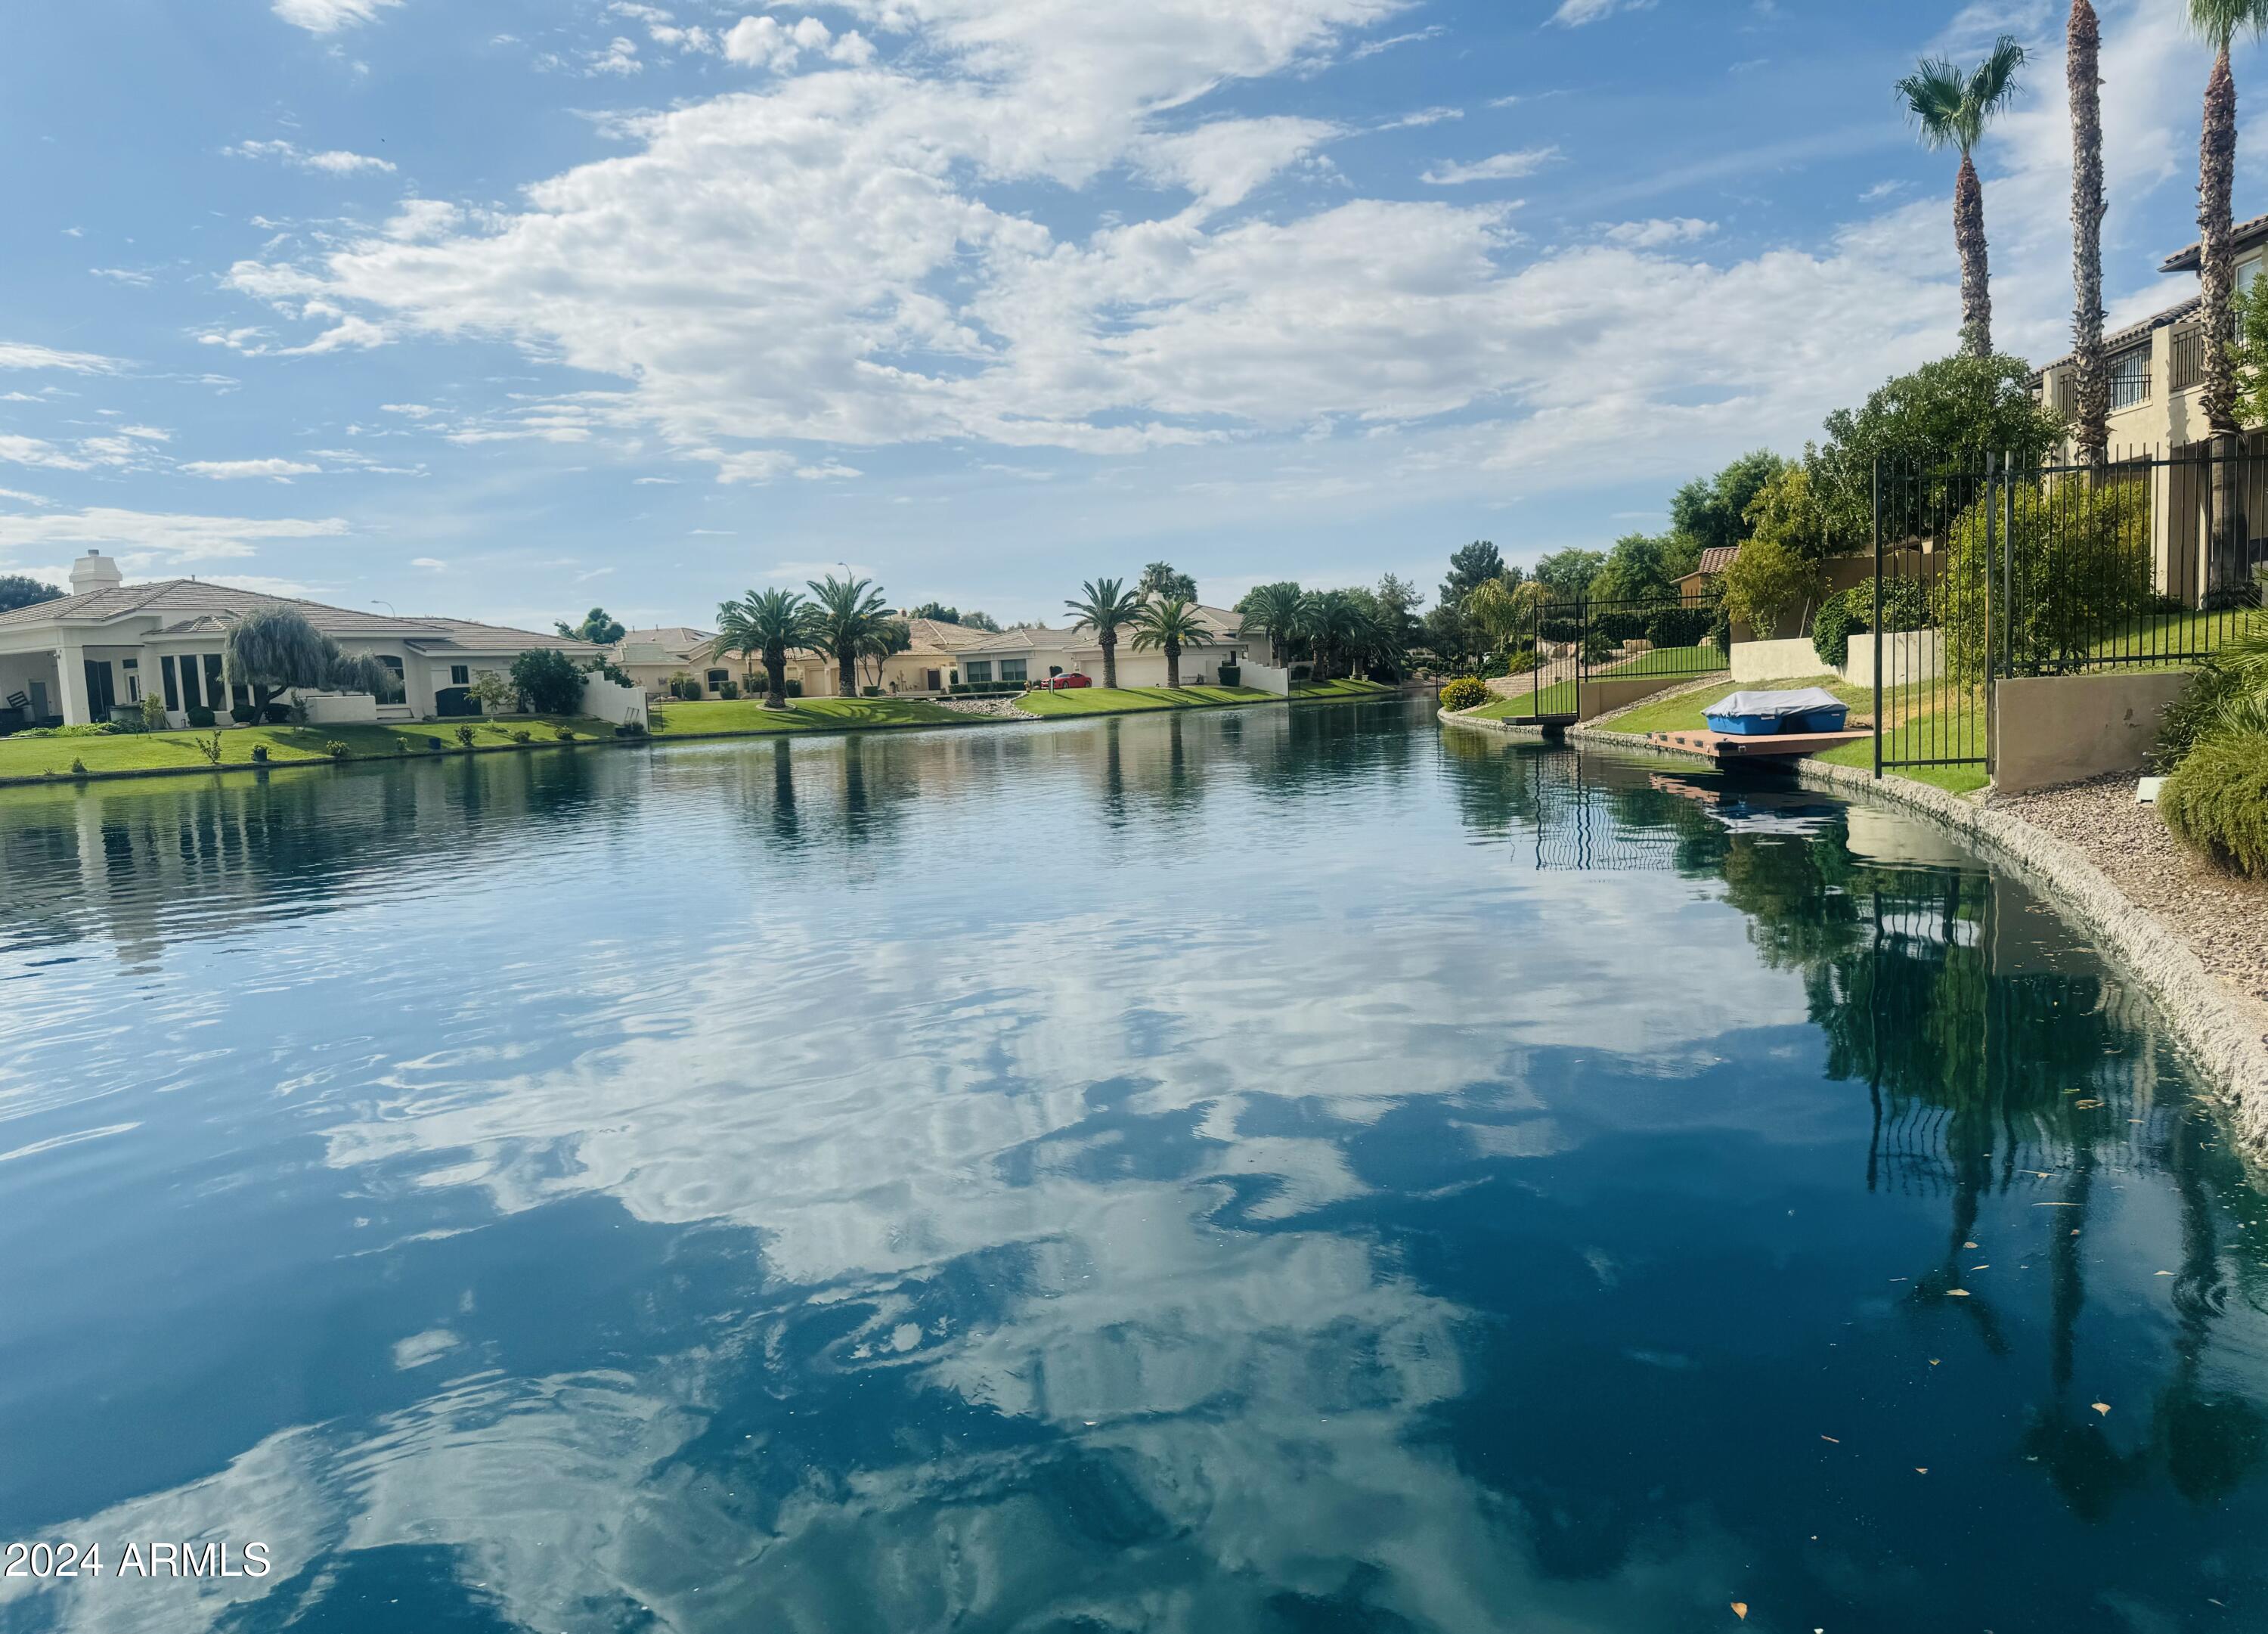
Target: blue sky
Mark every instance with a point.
(503, 307)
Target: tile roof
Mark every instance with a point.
(1717, 558)
(676, 637)
(2131, 333)
(2242, 236)
(193, 607)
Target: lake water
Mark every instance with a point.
(1263, 1169)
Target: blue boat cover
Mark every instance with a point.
(1776, 705)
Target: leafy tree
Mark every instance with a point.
(1274, 611)
(1787, 511)
(1448, 634)
(1765, 580)
(1105, 606)
(937, 612)
(1641, 568)
(1169, 624)
(847, 616)
(2219, 22)
(1952, 108)
(18, 590)
(767, 625)
(596, 627)
(361, 673)
(974, 620)
(2079, 549)
(1162, 581)
(1470, 568)
(882, 642)
(2083, 83)
(493, 693)
(1395, 602)
(548, 682)
(1711, 512)
(275, 650)
(1567, 574)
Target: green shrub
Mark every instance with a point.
(210, 747)
(1851, 611)
(870, 692)
(565, 734)
(548, 681)
(2217, 799)
(465, 736)
(630, 729)
(245, 715)
(730, 691)
(2080, 554)
(337, 751)
(78, 767)
(1466, 692)
(521, 734)
(1679, 627)
(200, 718)
(94, 729)
(153, 713)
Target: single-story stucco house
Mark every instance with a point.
(1032, 654)
(926, 666)
(108, 644)
(654, 658)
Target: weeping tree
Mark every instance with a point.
(1952, 108)
(358, 672)
(274, 650)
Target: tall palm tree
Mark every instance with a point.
(846, 618)
(1273, 611)
(2083, 79)
(1952, 108)
(2219, 22)
(1170, 625)
(1106, 607)
(767, 625)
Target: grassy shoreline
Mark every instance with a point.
(28, 762)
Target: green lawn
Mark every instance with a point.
(23, 756)
(1131, 700)
(1344, 689)
(1694, 662)
(1559, 698)
(736, 716)
(1920, 734)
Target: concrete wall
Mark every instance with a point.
(2054, 729)
(326, 709)
(1775, 660)
(1594, 698)
(1907, 655)
(1267, 678)
(603, 700)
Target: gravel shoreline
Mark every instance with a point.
(2222, 917)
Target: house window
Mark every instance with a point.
(979, 672)
(1012, 669)
(133, 668)
(173, 683)
(2130, 378)
(216, 689)
(718, 678)
(460, 675)
(393, 663)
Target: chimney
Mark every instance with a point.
(95, 571)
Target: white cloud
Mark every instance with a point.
(1501, 167)
(333, 162)
(324, 17)
(1575, 13)
(620, 57)
(235, 470)
(432, 564)
(1646, 235)
(765, 42)
(20, 355)
(142, 538)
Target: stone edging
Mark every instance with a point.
(2224, 1031)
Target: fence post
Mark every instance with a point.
(1991, 630)
(1878, 617)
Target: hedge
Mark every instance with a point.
(1851, 611)
(2217, 799)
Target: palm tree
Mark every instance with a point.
(1105, 606)
(767, 624)
(2219, 22)
(846, 618)
(1170, 625)
(1273, 611)
(1952, 108)
(2083, 79)
(1505, 609)
(1337, 627)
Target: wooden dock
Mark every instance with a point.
(1725, 747)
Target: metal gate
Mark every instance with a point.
(1593, 641)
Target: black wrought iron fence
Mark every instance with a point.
(2005, 570)
(1605, 643)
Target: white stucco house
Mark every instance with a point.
(108, 644)
(1032, 654)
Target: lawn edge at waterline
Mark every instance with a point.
(2225, 1032)
(65, 778)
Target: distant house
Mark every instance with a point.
(654, 658)
(1714, 561)
(1035, 652)
(108, 644)
(926, 666)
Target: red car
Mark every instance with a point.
(1060, 683)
